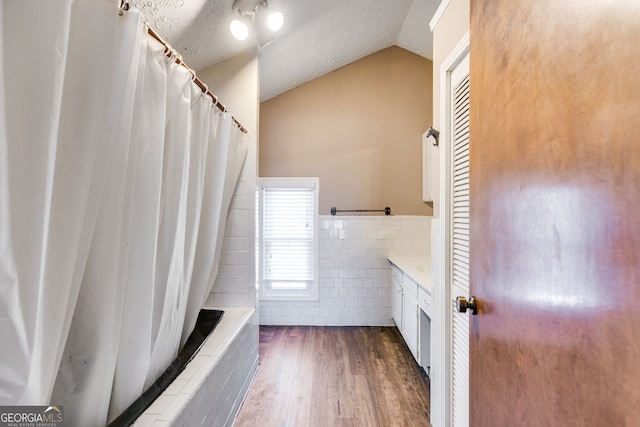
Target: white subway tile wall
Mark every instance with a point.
(354, 274)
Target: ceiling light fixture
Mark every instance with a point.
(248, 10)
(239, 29)
(275, 21)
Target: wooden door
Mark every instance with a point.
(555, 213)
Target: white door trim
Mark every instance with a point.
(440, 386)
(439, 12)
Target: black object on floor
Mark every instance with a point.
(206, 323)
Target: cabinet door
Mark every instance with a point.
(427, 186)
(410, 322)
(396, 304)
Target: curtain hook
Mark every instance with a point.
(193, 74)
(124, 6)
(169, 52)
(208, 99)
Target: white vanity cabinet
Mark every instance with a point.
(424, 329)
(410, 314)
(411, 307)
(424, 300)
(396, 296)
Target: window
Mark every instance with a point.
(288, 239)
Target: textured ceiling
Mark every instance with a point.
(319, 36)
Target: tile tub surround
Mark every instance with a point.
(354, 274)
(210, 390)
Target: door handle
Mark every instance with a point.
(462, 305)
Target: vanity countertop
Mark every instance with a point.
(417, 268)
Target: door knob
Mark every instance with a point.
(462, 305)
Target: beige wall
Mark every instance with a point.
(358, 129)
(451, 27)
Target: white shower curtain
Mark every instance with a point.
(116, 174)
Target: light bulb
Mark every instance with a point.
(239, 29)
(275, 21)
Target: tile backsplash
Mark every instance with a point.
(354, 274)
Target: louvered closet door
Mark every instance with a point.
(459, 242)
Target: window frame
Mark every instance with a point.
(266, 293)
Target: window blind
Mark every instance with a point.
(288, 237)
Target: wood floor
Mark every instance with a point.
(335, 376)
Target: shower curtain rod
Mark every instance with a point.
(171, 53)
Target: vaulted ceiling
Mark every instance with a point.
(318, 36)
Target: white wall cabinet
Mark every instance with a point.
(427, 184)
